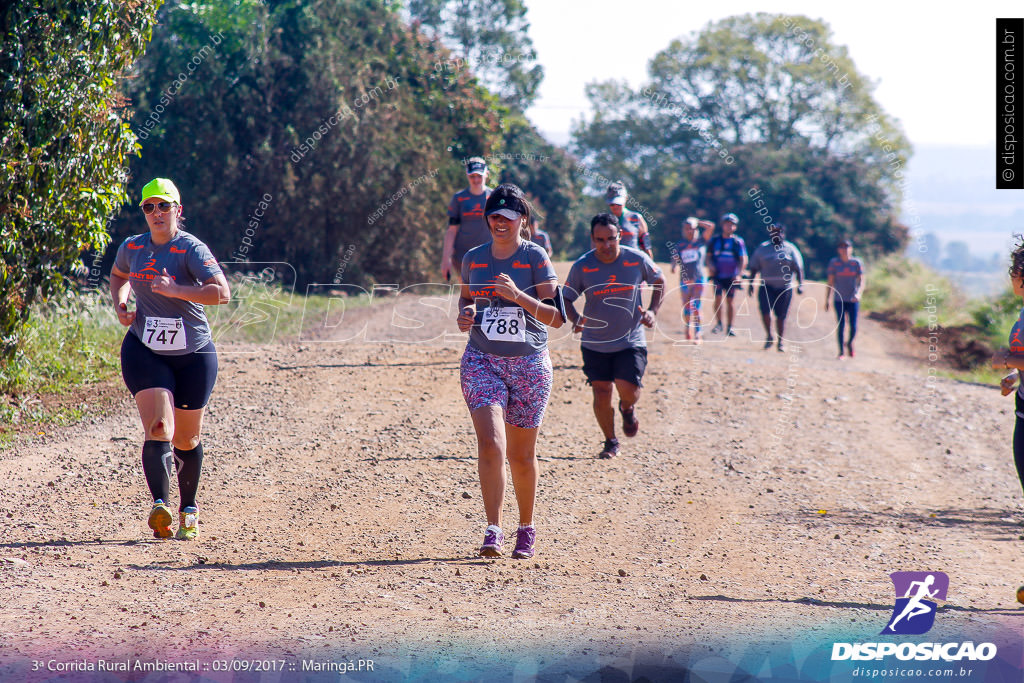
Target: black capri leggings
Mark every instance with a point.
(189, 377)
(1018, 438)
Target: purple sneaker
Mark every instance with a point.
(525, 537)
(493, 538)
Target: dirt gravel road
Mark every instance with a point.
(766, 499)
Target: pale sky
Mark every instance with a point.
(934, 67)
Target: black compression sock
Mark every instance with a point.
(156, 463)
(190, 464)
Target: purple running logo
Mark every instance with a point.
(914, 611)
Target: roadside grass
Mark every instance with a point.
(72, 345)
(908, 292)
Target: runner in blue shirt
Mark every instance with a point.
(168, 360)
(726, 260)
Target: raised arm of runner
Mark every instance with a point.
(644, 239)
(545, 313)
(213, 291)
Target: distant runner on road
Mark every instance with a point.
(780, 264)
(539, 237)
(613, 343)
(689, 254)
(508, 299)
(1012, 358)
(845, 286)
(168, 360)
(466, 225)
(726, 260)
(633, 232)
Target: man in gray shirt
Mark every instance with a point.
(613, 344)
(779, 263)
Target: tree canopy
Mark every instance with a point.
(333, 111)
(488, 38)
(762, 101)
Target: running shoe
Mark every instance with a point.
(630, 425)
(188, 524)
(493, 538)
(780, 348)
(717, 328)
(611, 449)
(768, 343)
(525, 537)
(849, 349)
(730, 333)
(160, 520)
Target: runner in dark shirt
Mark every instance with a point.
(539, 237)
(1012, 358)
(845, 286)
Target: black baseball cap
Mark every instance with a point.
(506, 199)
(476, 165)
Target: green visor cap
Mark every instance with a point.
(162, 188)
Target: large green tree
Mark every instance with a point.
(760, 101)
(64, 142)
(333, 110)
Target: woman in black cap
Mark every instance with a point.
(508, 297)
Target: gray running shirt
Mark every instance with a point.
(528, 267)
(778, 265)
(189, 262)
(845, 276)
(613, 300)
(466, 210)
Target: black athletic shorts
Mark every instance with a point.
(774, 300)
(189, 378)
(726, 285)
(627, 364)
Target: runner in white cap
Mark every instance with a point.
(633, 232)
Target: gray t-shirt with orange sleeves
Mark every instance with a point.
(502, 328)
(165, 324)
(613, 298)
